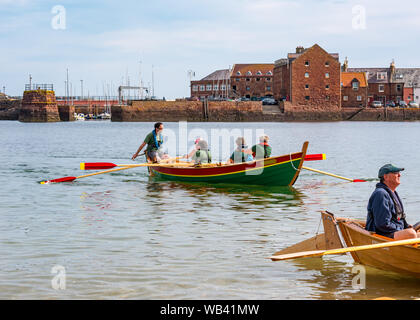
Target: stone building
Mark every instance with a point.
(308, 77)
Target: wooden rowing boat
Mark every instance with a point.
(276, 171)
(402, 259)
(341, 235)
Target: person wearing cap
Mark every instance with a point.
(263, 149)
(194, 150)
(386, 215)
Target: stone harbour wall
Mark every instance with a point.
(39, 106)
(9, 109)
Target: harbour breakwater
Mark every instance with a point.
(40, 106)
(251, 111)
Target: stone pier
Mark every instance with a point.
(39, 106)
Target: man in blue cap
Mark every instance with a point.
(385, 209)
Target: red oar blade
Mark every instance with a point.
(359, 180)
(314, 157)
(97, 165)
(65, 179)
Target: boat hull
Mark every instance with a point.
(400, 259)
(276, 171)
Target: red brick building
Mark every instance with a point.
(252, 80)
(385, 84)
(354, 89)
(308, 77)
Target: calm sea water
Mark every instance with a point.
(125, 236)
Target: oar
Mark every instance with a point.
(313, 157)
(109, 165)
(69, 179)
(333, 175)
(317, 253)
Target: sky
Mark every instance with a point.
(106, 43)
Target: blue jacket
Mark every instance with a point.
(382, 215)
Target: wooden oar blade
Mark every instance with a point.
(295, 255)
(97, 165)
(344, 250)
(65, 179)
(315, 157)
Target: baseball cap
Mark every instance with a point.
(388, 168)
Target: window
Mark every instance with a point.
(306, 86)
(248, 88)
(381, 75)
(268, 88)
(398, 87)
(269, 73)
(248, 79)
(216, 87)
(381, 88)
(327, 75)
(307, 63)
(327, 64)
(345, 98)
(249, 73)
(258, 79)
(327, 98)
(307, 98)
(327, 86)
(208, 87)
(234, 88)
(223, 87)
(238, 73)
(195, 87)
(359, 98)
(202, 88)
(237, 79)
(259, 73)
(306, 74)
(268, 79)
(355, 85)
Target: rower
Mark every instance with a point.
(263, 149)
(241, 153)
(154, 141)
(194, 150)
(202, 155)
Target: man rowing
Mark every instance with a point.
(153, 141)
(386, 215)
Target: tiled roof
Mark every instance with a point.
(347, 78)
(254, 69)
(218, 75)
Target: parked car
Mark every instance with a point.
(376, 104)
(390, 104)
(403, 104)
(269, 101)
(413, 104)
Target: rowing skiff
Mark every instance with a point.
(276, 171)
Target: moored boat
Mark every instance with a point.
(276, 171)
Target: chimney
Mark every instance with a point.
(392, 69)
(300, 49)
(345, 65)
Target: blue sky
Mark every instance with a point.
(103, 41)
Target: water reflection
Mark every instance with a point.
(264, 196)
(332, 278)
